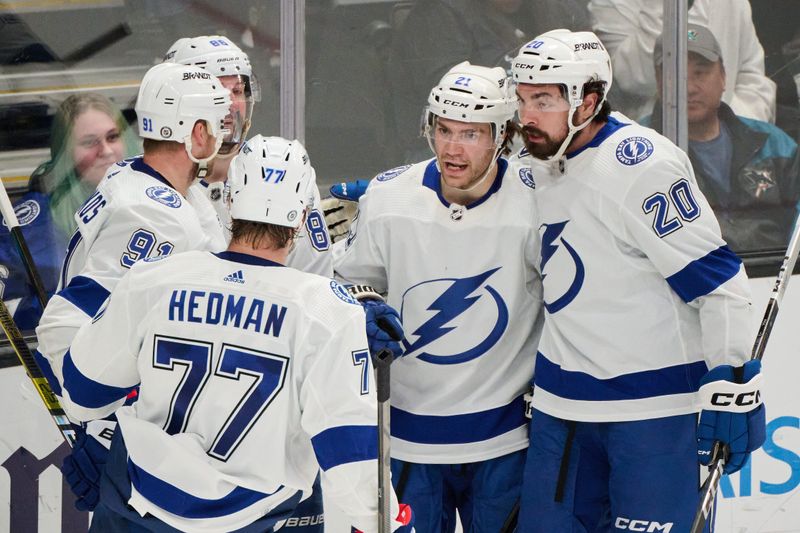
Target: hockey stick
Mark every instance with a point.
(39, 381)
(719, 453)
(383, 362)
(7, 211)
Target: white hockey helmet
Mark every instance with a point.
(471, 93)
(269, 182)
(219, 56)
(566, 58)
(172, 98)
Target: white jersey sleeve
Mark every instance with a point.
(670, 221)
(134, 214)
(360, 260)
(252, 377)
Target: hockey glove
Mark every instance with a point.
(338, 217)
(732, 413)
(384, 330)
(351, 190)
(84, 467)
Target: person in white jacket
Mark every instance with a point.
(629, 28)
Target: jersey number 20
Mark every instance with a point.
(681, 198)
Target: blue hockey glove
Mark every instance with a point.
(83, 468)
(732, 413)
(384, 329)
(351, 190)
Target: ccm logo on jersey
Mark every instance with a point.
(647, 526)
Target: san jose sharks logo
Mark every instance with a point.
(551, 243)
(434, 311)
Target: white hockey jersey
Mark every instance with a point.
(251, 375)
(312, 249)
(465, 283)
(134, 214)
(641, 294)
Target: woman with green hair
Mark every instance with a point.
(89, 134)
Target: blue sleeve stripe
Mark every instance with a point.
(47, 372)
(86, 392)
(702, 276)
(71, 246)
(458, 429)
(574, 385)
(186, 505)
(85, 294)
(345, 444)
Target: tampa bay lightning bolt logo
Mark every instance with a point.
(551, 243)
(393, 173)
(26, 212)
(526, 175)
(164, 195)
(455, 301)
(342, 293)
(634, 150)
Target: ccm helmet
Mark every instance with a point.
(219, 56)
(471, 93)
(566, 58)
(269, 182)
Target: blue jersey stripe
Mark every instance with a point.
(47, 372)
(702, 276)
(85, 294)
(458, 429)
(345, 444)
(574, 385)
(85, 391)
(181, 503)
(71, 246)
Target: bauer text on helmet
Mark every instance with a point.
(269, 181)
(221, 57)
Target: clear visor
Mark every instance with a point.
(440, 134)
(244, 94)
(543, 102)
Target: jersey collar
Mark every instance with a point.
(139, 165)
(432, 180)
(246, 259)
(605, 132)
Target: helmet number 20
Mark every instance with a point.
(681, 198)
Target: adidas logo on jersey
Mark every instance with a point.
(236, 277)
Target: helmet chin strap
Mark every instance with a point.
(202, 164)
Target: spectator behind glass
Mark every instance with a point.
(629, 29)
(88, 135)
(438, 34)
(748, 169)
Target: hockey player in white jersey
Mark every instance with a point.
(250, 375)
(644, 305)
(450, 241)
(220, 56)
(144, 207)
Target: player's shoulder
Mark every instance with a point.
(521, 173)
(631, 146)
(397, 178)
(326, 298)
